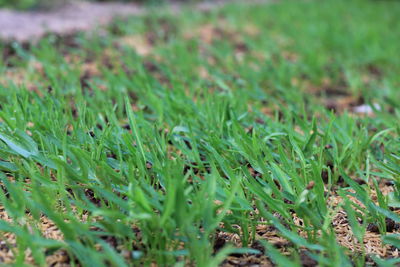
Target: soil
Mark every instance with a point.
(76, 16)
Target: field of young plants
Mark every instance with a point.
(249, 135)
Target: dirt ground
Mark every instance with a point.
(76, 16)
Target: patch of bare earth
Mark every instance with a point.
(79, 16)
(372, 242)
(76, 16)
(8, 241)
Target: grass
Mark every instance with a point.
(204, 138)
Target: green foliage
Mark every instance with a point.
(19, 4)
(31, 4)
(148, 158)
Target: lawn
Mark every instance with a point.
(252, 134)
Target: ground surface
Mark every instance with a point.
(248, 135)
(30, 26)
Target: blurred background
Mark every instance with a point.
(48, 4)
(29, 20)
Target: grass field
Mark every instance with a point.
(251, 135)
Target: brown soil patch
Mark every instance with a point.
(372, 239)
(77, 16)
